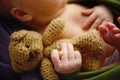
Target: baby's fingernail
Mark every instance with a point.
(55, 51)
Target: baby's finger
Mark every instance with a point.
(103, 30)
(117, 37)
(70, 52)
(89, 21)
(110, 26)
(116, 30)
(105, 21)
(55, 58)
(65, 52)
(96, 23)
(78, 57)
(87, 12)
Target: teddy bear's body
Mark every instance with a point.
(30, 48)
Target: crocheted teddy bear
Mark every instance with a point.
(29, 48)
(90, 44)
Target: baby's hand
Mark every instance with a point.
(111, 34)
(96, 16)
(67, 60)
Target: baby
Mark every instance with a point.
(38, 13)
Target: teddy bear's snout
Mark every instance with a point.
(32, 55)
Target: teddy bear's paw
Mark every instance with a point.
(53, 30)
(47, 70)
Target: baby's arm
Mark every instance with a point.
(97, 15)
(67, 60)
(111, 34)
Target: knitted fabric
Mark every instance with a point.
(90, 63)
(89, 41)
(47, 70)
(25, 53)
(52, 31)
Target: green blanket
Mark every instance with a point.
(112, 73)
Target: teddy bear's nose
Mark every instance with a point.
(32, 55)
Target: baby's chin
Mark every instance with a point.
(56, 15)
(60, 12)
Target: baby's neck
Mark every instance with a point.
(40, 28)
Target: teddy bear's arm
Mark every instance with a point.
(92, 47)
(47, 71)
(90, 41)
(53, 29)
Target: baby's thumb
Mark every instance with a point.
(87, 12)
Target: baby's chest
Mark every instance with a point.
(73, 21)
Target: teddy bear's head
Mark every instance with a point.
(26, 50)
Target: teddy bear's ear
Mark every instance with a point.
(17, 35)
